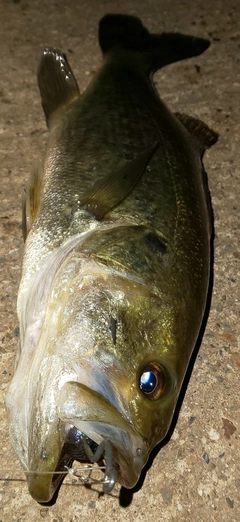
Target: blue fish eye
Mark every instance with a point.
(152, 381)
(148, 382)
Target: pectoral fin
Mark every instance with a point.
(56, 82)
(109, 191)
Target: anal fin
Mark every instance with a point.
(57, 84)
(203, 135)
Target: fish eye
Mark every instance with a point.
(152, 381)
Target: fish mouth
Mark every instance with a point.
(73, 449)
(86, 418)
(94, 416)
(79, 447)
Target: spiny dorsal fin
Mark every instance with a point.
(109, 191)
(203, 135)
(31, 199)
(56, 82)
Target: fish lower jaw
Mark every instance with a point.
(123, 456)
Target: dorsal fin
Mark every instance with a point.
(56, 82)
(203, 135)
(109, 191)
(31, 199)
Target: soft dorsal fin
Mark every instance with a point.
(31, 199)
(203, 135)
(56, 82)
(109, 191)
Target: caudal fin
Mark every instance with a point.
(128, 32)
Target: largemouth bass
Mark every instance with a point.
(116, 264)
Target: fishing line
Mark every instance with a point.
(72, 472)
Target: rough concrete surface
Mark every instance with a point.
(196, 475)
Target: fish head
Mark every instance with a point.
(104, 367)
(125, 390)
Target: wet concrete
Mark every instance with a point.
(196, 476)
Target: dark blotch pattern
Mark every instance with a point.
(154, 243)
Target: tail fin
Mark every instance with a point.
(128, 32)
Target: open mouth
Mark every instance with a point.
(82, 448)
(88, 429)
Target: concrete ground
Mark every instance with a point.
(196, 476)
